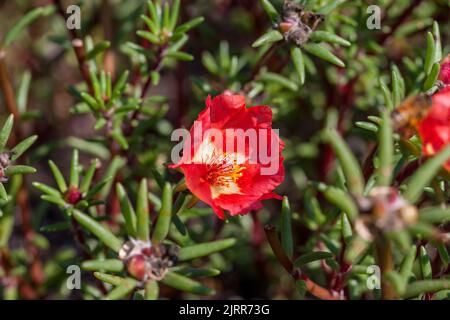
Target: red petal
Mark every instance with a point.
(223, 108)
(444, 73)
(434, 129)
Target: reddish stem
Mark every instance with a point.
(312, 287)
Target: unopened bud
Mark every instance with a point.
(137, 267)
(286, 26)
(73, 195)
(409, 214)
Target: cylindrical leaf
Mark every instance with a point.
(430, 54)
(24, 21)
(6, 131)
(204, 249)
(108, 278)
(3, 193)
(268, 38)
(74, 170)
(106, 236)
(12, 170)
(99, 48)
(312, 256)
(419, 287)
(179, 55)
(151, 289)
(59, 178)
(432, 77)
(346, 228)
(387, 95)
(19, 149)
(270, 10)
(123, 289)
(438, 45)
(407, 263)
(386, 151)
(189, 25)
(349, 164)
(325, 36)
(396, 87)
(279, 79)
(423, 176)
(340, 199)
(165, 215)
(425, 264)
(87, 179)
(286, 228)
(149, 36)
(108, 265)
(183, 283)
(323, 53)
(174, 15)
(127, 210)
(47, 189)
(299, 63)
(434, 215)
(142, 213)
(199, 273)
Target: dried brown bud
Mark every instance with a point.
(5, 162)
(146, 260)
(298, 24)
(384, 210)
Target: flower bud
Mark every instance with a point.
(409, 214)
(73, 195)
(137, 267)
(286, 26)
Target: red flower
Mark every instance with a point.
(444, 74)
(235, 162)
(434, 129)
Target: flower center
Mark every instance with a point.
(223, 170)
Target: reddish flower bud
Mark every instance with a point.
(444, 74)
(434, 129)
(137, 267)
(73, 195)
(286, 26)
(148, 251)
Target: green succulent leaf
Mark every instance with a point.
(349, 164)
(423, 176)
(108, 265)
(204, 249)
(142, 212)
(23, 146)
(183, 283)
(103, 233)
(323, 53)
(286, 228)
(165, 215)
(6, 131)
(312, 256)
